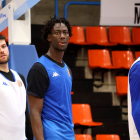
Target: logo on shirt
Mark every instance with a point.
(4, 83)
(19, 83)
(68, 72)
(2, 15)
(55, 74)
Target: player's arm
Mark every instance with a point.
(38, 83)
(134, 82)
(36, 105)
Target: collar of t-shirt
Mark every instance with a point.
(59, 64)
(8, 75)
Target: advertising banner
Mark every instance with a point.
(120, 12)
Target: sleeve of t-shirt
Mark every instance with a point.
(38, 80)
(134, 82)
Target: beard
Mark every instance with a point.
(5, 61)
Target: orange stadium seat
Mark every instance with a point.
(83, 137)
(107, 137)
(78, 36)
(82, 115)
(120, 35)
(99, 59)
(122, 59)
(137, 54)
(98, 35)
(136, 35)
(121, 85)
(5, 33)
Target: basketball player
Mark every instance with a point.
(134, 100)
(12, 99)
(49, 86)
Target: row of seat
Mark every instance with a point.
(121, 86)
(120, 60)
(98, 36)
(102, 59)
(98, 137)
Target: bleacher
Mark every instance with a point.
(104, 56)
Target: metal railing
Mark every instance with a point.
(77, 3)
(56, 8)
(73, 3)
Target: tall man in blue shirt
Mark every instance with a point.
(49, 86)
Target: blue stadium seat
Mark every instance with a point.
(22, 57)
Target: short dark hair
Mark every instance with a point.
(2, 37)
(50, 24)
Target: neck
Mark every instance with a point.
(56, 55)
(4, 67)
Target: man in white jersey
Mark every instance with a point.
(134, 100)
(12, 99)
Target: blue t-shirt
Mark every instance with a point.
(57, 107)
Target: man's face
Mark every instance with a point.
(4, 52)
(59, 37)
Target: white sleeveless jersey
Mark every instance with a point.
(12, 108)
(132, 128)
